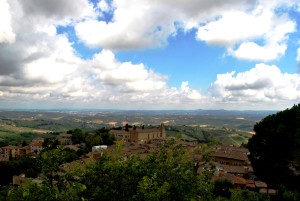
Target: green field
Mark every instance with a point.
(205, 135)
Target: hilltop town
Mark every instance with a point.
(131, 155)
(227, 161)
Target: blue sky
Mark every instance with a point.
(141, 54)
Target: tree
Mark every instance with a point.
(92, 140)
(78, 136)
(107, 138)
(126, 127)
(275, 148)
(222, 188)
(24, 143)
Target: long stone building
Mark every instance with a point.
(141, 135)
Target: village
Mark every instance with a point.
(229, 162)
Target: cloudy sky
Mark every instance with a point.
(149, 54)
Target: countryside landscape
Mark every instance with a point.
(233, 127)
(149, 100)
(214, 150)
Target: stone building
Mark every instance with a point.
(141, 135)
(9, 152)
(36, 145)
(64, 139)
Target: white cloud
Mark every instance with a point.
(139, 24)
(244, 29)
(40, 67)
(192, 94)
(134, 77)
(263, 83)
(255, 52)
(238, 25)
(6, 32)
(234, 27)
(104, 6)
(57, 11)
(135, 24)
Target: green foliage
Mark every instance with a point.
(101, 136)
(246, 195)
(27, 165)
(92, 140)
(290, 195)
(64, 188)
(149, 189)
(51, 159)
(78, 136)
(165, 174)
(275, 149)
(222, 188)
(107, 138)
(209, 135)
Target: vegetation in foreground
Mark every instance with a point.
(275, 151)
(166, 174)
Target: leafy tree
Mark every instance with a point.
(275, 148)
(29, 166)
(126, 127)
(246, 195)
(24, 143)
(107, 138)
(92, 140)
(50, 143)
(149, 189)
(78, 136)
(165, 174)
(222, 188)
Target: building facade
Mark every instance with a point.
(141, 135)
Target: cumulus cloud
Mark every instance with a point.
(60, 12)
(128, 76)
(139, 24)
(6, 32)
(262, 83)
(244, 29)
(251, 30)
(41, 68)
(38, 66)
(135, 24)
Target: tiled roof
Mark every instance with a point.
(233, 178)
(24, 148)
(10, 147)
(233, 169)
(37, 144)
(149, 130)
(231, 155)
(227, 147)
(250, 183)
(260, 184)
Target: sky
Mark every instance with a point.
(149, 54)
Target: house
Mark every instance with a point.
(23, 151)
(121, 134)
(64, 139)
(9, 151)
(237, 181)
(231, 157)
(242, 171)
(36, 145)
(20, 179)
(99, 148)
